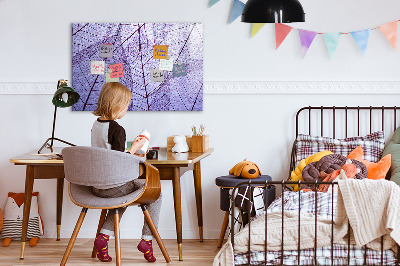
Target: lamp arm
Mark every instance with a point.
(54, 126)
(54, 119)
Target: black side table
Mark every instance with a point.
(226, 183)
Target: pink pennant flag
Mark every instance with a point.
(306, 39)
(389, 30)
(281, 31)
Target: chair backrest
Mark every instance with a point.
(92, 166)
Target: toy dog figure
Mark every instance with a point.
(246, 169)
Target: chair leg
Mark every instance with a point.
(223, 229)
(117, 239)
(101, 222)
(154, 230)
(73, 237)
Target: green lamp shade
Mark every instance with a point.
(65, 96)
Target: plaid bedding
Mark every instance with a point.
(323, 207)
(340, 253)
(372, 145)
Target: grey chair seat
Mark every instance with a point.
(83, 196)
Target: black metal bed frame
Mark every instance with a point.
(283, 184)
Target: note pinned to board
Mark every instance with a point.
(166, 64)
(97, 67)
(156, 75)
(110, 79)
(179, 70)
(117, 70)
(160, 51)
(106, 50)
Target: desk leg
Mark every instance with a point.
(199, 204)
(60, 190)
(27, 206)
(176, 182)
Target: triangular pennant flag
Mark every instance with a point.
(281, 31)
(237, 9)
(306, 39)
(361, 37)
(332, 41)
(256, 28)
(213, 2)
(390, 32)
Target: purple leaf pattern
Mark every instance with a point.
(133, 47)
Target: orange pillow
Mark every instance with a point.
(375, 170)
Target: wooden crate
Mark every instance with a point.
(200, 143)
(171, 143)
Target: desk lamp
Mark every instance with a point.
(65, 96)
(273, 11)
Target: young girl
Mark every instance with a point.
(113, 103)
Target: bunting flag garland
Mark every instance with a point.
(389, 30)
(256, 28)
(332, 41)
(213, 2)
(306, 39)
(281, 31)
(361, 38)
(237, 8)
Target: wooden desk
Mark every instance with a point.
(171, 167)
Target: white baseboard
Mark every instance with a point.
(247, 87)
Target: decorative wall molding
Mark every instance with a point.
(303, 87)
(250, 87)
(28, 88)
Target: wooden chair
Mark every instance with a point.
(85, 167)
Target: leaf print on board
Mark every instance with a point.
(133, 47)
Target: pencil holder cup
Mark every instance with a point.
(200, 143)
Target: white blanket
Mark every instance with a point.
(371, 206)
(274, 235)
(373, 209)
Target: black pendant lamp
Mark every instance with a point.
(273, 11)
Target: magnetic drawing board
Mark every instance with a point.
(139, 47)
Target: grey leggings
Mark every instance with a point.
(154, 208)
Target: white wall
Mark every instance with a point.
(35, 46)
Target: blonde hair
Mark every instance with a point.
(112, 99)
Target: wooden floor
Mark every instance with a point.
(50, 252)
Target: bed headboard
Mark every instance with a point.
(345, 118)
(344, 121)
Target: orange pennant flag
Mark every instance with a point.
(281, 31)
(389, 30)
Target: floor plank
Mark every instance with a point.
(50, 252)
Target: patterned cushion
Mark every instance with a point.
(372, 144)
(13, 228)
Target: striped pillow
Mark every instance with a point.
(13, 228)
(372, 145)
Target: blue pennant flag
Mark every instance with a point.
(361, 38)
(213, 2)
(332, 41)
(237, 9)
